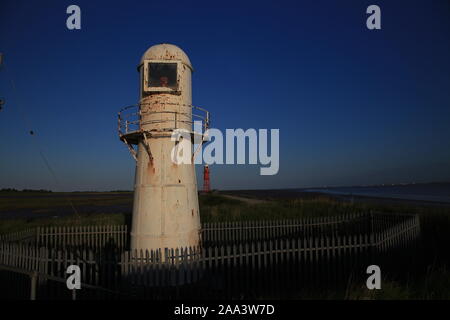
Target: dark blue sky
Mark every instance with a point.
(353, 106)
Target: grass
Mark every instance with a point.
(432, 283)
(14, 225)
(213, 208)
(23, 201)
(216, 208)
(44, 202)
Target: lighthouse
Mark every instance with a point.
(165, 208)
(206, 183)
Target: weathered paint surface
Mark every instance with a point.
(165, 211)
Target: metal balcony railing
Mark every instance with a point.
(130, 120)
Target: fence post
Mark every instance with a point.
(34, 276)
(38, 232)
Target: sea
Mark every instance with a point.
(432, 192)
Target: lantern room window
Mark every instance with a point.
(161, 76)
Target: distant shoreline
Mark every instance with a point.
(416, 194)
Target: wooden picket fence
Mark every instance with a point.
(238, 232)
(212, 233)
(28, 235)
(395, 231)
(294, 253)
(86, 236)
(27, 285)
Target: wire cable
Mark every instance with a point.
(36, 141)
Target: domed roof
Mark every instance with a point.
(168, 52)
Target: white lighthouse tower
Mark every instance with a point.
(165, 209)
